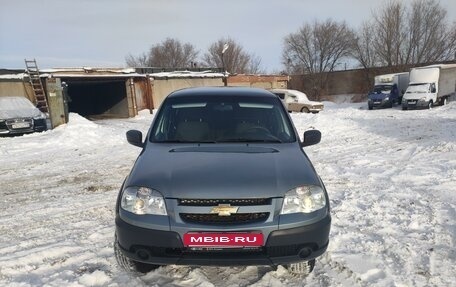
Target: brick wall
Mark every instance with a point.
(350, 82)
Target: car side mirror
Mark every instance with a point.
(311, 137)
(134, 137)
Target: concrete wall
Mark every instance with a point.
(19, 88)
(163, 87)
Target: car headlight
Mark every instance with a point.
(305, 199)
(423, 99)
(40, 117)
(387, 99)
(143, 200)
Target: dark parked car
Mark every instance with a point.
(19, 116)
(222, 180)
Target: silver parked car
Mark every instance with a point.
(222, 179)
(19, 116)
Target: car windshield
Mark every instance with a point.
(301, 97)
(214, 119)
(418, 88)
(382, 89)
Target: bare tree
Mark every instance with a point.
(235, 58)
(170, 53)
(365, 52)
(430, 37)
(137, 61)
(255, 65)
(363, 49)
(317, 48)
(390, 32)
(398, 36)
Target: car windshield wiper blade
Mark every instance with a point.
(181, 141)
(251, 140)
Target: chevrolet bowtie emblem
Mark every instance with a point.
(224, 209)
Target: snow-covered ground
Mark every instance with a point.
(390, 175)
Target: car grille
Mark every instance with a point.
(215, 202)
(238, 218)
(18, 124)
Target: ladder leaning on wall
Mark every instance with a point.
(37, 86)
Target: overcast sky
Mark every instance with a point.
(75, 33)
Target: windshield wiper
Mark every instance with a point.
(181, 141)
(246, 140)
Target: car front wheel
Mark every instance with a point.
(130, 265)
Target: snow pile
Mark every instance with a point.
(19, 76)
(187, 74)
(389, 173)
(97, 278)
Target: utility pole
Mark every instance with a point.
(225, 80)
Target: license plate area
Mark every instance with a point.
(20, 125)
(220, 240)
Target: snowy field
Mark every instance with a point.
(390, 175)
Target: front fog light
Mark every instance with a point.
(305, 199)
(143, 200)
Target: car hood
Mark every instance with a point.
(20, 113)
(375, 96)
(416, 96)
(222, 171)
(313, 103)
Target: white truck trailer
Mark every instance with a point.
(429, 86)
(388, 89)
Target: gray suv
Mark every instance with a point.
(222, 180)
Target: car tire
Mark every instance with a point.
(444, 101)
(404, 108)
(305, 110)
(303, 268)
(130, 265)
(429, 105)
(370, 107)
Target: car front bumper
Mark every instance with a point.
(36, 125)
(379, 103)
(415, 104)
(166, 247)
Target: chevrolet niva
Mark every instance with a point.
(222, 180)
